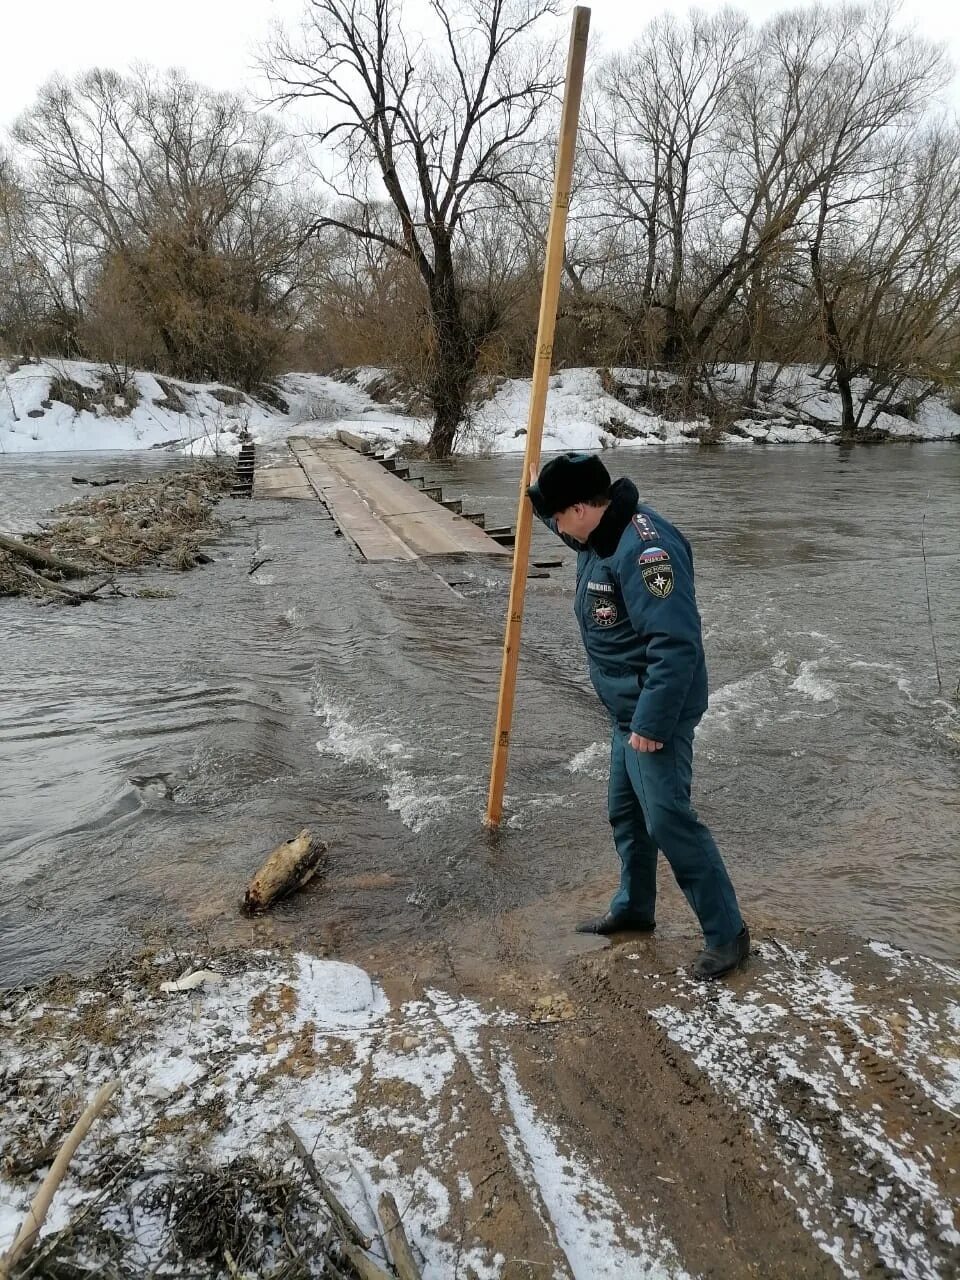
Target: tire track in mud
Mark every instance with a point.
(840, 1072)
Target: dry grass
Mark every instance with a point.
(118, 395)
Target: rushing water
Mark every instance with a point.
(152, 750)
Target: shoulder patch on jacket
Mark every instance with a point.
(645, 527)
(657, 576)
(651, 555)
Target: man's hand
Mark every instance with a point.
(639, 743)
(534, 472)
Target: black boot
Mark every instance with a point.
(714, 962)
(624, 922)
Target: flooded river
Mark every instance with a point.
(151, 750)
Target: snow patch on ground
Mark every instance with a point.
(381, 1096)
(595, 1246)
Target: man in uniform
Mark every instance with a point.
(640, 624)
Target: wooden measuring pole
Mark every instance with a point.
(549, 298)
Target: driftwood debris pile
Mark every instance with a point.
(163, 520)
(196, 1175)
(245, 1218)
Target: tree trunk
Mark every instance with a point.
(754, 320)
(841, 363)
(750, 395)
(828, 314)
(848, 420)
(456, 357)
(672, 347)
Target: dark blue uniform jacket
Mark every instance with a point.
(638, 615)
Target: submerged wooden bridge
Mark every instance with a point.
(377, 504)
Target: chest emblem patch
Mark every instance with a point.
(604, 612)
(658, 578)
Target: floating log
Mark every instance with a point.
(288, 867)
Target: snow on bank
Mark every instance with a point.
(802, 392)
(580, 414)
(419, 1099)
(32, 421)
(198, 418)
(837, 1080)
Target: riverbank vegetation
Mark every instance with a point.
(769, 196)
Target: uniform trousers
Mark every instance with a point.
(649, 807)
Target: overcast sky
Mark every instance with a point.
(215, 41)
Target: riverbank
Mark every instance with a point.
(607, 1117)
(71, 405)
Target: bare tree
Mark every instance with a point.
(443, 122)
(653, 125)
(876, 82)
(717, 158)
(41, 267)
(17, 298)
(182, 194)
(889, 279)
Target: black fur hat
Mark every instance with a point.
(567, 479)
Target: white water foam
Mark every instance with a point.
(419, 801)
(530, 809)
(813, 685)
(591, 761)
(737, 700)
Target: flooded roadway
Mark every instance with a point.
(153, 749)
